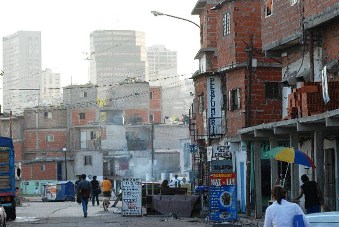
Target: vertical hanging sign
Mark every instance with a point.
(214, 100)
(131, 197)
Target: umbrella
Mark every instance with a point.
(290, 155)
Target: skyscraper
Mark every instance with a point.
(50, 92)
(21, 66)
(116, 55)
(162, 64)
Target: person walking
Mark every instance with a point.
(313, 195)
(95, 190)
(76, 185)
(106, 187)
(282, 213)
(84, 189)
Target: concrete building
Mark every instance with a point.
(50, 88)
(21, 66)
(116, 55)
(162, 64)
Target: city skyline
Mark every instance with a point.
(65, 35)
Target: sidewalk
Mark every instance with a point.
(243, 219)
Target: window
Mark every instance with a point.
(226, 24)
(49, 138)
(293, 2)
(88, 160)
(83, 94)
(93, 135)
(47, 115)
(151, 117)
(234, 99)
(272, 90)
(269, 7)
(151, 95)
(42, 168)
(82, 115)
(201, 103)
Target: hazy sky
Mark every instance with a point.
(65, 26)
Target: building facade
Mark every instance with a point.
(278, 82)
(116, 55)
(50, 88)
(236, 86)
(21, 66)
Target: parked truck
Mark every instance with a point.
(7, 177)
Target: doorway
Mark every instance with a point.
(329, 178)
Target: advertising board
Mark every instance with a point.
(131, 197)
(223, 197)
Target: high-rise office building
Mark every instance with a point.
(50, 92)
(21, 66)
(116, 55)
(162, 64)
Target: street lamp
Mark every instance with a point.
(156, 13)
(65, 150)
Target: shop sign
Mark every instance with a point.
(222, 179)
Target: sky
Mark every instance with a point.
(65, 27)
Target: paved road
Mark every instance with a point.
(70, 214)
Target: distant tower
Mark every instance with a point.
(50, 92)
(116, 55)
(21, 66)
(162, 64)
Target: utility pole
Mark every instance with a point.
(152, 151)
(249, 51)
(10, 124)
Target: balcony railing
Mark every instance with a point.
(216, 127)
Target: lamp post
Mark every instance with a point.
(156, 13)
(65, 150)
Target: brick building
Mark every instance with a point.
(86, 135)
(237, 85)
(304, 35)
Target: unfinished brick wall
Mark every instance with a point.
(330, 41)
(263, 110)
(307, 100)
(33, 171)
(90, 116)
(245, 20)
(313, 7)
(30, 143)
(284, 22)
(208, 27)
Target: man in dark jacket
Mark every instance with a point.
(84, 189)
(95, 190)
(313, 195)
(76, 185)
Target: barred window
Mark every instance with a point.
(234, 99)
(272, 90)
(82, 116)
(226, 24)
(88, 160)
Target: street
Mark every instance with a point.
(70, 214)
